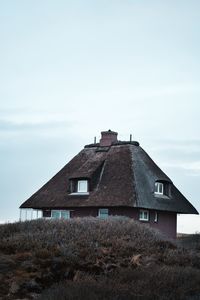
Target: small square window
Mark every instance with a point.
(144, 215)
(103, 213)
(82, 186)
(159, 188)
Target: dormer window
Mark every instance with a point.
(79, 187)
(163, 189)
(82, 186)
(159, 188)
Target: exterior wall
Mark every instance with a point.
(84, 212)
(47, 213)
(166, 222)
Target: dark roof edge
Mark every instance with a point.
(141, 207)
(118, 143)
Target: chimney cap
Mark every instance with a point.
(109, 131)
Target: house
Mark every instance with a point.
(115, 178)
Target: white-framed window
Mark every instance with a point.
(156, 217)
(60, 214)
(144, 215)
(82, 186)
(159, 188)
(103, 213)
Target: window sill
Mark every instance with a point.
(161, 196)
(143, 220)
(79, 194)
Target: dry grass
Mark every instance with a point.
(116, 258)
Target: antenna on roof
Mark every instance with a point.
(130, 137)
(95, 140)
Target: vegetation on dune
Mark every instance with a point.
(89, 258)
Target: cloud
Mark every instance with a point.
(158, 91)
(15, 122)
(190, 144)
(192, 167)
(32, 124)
(177, 153)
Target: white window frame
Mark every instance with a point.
(142, 214)
(85, 190)
(103, 215)
(159, 188)
(60, 214)
(156, 217)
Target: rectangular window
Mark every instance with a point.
(60, 214)
(82, 186)
(65, 214)
(159, 188)
(144, 215)
(55, 214)
(103, 213)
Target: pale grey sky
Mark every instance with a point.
(70, 69)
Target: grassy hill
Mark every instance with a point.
(94, 259)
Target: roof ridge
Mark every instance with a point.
(118, 143)
(101, 174)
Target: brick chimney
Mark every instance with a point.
(107, 138)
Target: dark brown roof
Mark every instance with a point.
(120, 175)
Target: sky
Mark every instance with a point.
(70, 69)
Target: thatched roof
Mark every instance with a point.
(121, 174)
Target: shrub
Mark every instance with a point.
(165, 283)
(70, 235)
(116, 258)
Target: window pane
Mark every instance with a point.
(156, 187)
(103, 213)
(55, 214)
(160, 188)
(65, 214)
(82, 186)
(144, 215)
